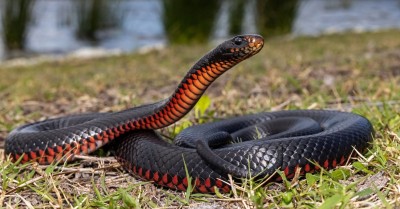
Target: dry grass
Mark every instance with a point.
(351, 72)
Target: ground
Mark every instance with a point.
(359, 73)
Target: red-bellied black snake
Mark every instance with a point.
(285, 140)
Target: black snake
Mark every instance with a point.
(285, 140)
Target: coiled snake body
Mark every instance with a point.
(285, 140)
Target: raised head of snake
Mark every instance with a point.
(239, 48)
(230, 53)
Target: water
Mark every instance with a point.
(53, 30)
(317, 17)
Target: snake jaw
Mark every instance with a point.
(256, 42)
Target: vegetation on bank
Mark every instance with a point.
(350, 72)
(93, 16)
(183, 23)
(16, 16)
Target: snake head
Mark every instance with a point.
(241, 47)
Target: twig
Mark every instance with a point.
(68, 171)
(94, 158)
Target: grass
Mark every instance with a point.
(350, 72)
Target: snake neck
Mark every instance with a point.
(188, 92)
(197, 80)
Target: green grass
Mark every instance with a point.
(351, 72)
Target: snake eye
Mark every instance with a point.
(238, 41)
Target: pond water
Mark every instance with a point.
(53, 31)
(316, 17)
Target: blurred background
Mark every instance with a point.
(91, 27)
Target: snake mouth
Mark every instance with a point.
(254, 45)
(256, 41)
